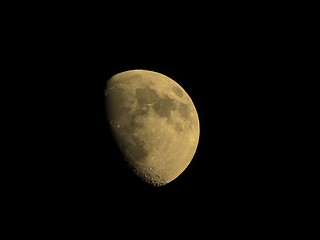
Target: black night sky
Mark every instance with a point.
(229, 84)
(232, 69)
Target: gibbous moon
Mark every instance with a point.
(154, 123)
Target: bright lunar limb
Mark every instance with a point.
(154, 123)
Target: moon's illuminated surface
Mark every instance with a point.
(154, 123)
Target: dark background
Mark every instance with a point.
(233, 85)
(233, 64)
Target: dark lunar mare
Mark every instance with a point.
(164, 105)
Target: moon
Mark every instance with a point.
(154, 123)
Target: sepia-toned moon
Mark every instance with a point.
(154, 123)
